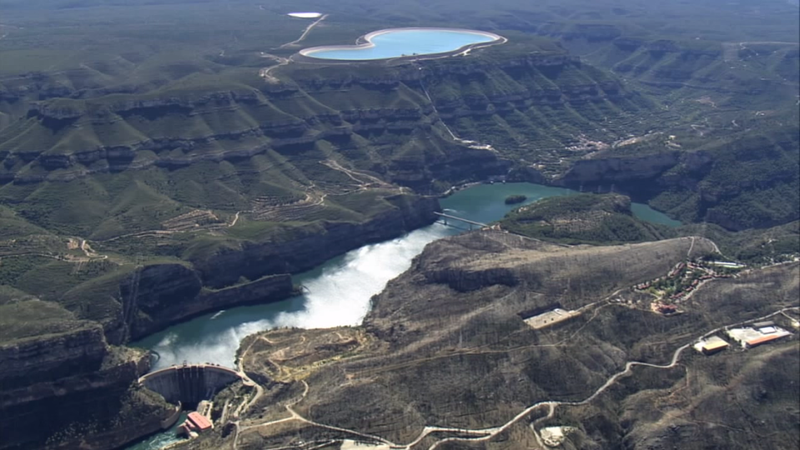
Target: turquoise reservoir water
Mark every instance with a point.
(338, 291)
(649, 214)
(402, 42)
(163, 439)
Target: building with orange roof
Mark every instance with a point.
(712, 345)
(749, 337)
(763, 339)
(195, 423)
(200, 422)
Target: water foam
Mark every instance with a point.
(339, 296)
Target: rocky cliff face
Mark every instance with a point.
(178, 308)
(619, 169)
(156, 296)
(539, 266)
(103, 407)
(727, 182)
(271, 128)
(58, 388)
(315, 246)
(36, 359)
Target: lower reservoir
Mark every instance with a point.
(163, 439)
(338, 292)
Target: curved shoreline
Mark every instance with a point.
(364, 42)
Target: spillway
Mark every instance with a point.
(189, 384)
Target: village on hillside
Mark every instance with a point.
(671, 290)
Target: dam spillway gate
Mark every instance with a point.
(188, 384)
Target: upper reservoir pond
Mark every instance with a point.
(338, 292)
(393, 43)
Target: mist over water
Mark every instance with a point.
(338, 292)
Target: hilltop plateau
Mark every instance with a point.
(607, 219)
(582, 219)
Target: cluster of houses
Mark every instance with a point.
(675, 273)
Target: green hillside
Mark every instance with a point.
(582, 219)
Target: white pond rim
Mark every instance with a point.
(365, 42)
(305, 15)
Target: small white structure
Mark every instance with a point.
(726, 264)
(305, 15)
(555, 436)
(550, 318)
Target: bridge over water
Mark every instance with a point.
(188, 384)
(452, 218)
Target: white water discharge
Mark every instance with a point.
(337, 292)
(339, 295)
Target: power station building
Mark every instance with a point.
(195, 423)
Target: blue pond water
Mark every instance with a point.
(402, 42)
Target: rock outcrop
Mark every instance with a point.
(150, 298)
(619, 169)
(164, 312)
(61, 384)
(447, 342)
(36, 359)
(316, 244)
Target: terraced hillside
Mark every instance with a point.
(212, 181)
(163, 159)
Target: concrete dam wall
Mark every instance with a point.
(189, 384)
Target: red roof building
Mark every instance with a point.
(763, 339)
(198, 422)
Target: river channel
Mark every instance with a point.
(338, 292)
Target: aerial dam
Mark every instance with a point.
(188, 384)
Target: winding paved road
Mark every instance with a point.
(305, 32)
(492, 432)
(489, 433)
